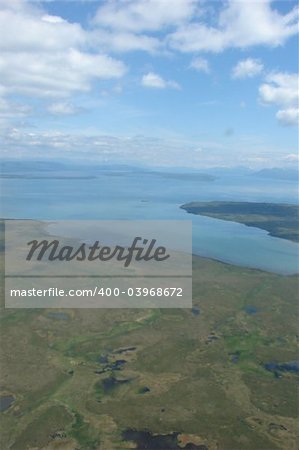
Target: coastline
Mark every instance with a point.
(194, 255)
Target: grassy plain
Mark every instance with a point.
(198, 373)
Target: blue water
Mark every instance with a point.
(291, 366)
(127, 195)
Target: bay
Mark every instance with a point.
(133, 195)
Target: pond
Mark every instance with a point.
(147, 440)
(6, 401)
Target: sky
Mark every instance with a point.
(185, 83)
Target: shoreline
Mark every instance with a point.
(194, 255)
(280, 224)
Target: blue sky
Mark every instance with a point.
(155, 82)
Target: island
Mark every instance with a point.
(279, 219)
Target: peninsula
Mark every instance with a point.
(280, 220)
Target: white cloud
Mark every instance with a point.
(44, 55)
(240, 24)
(292, 157)
(153, 80)
(147, 25)
(12, 109)
(143, 15)
(13, 113)
(281, 89)
(130, 25)
(125, 41)
(200, 64)
(125, 25)
(56, 74)
(288, 116)
(90, 148)
(63, 109)
(53, 19)
(247, 68)
(151, 151)
(32, 31)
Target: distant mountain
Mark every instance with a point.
(279, 174)
(66, 169)
(196, 176)
(228, 171)
(50, 165)
(30, 165)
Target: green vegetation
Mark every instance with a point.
(81, 432)
(204, 373)
(280, 220)
(49, 424)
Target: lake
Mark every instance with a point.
(130, 195)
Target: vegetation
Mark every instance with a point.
(280, 220)
(207, 385)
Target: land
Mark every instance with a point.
(220, 376)
(280, 220)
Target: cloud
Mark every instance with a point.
(55, 74)
(133, 25)
(143, 15)
(239, 25)
(288, 116)
(291, 157)
(247, 68)
(200, 64)
(125, 41)
(13, 110)
(78, 147)
(63, 109)
(152, 25)
(153, 80)
(143, 150)
(33, 31)
(43, 55)
(281, 89)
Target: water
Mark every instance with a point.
(110, 383)
(6, 401)
(291, 366)
(250, 310)
(144, 439)
(121, 195)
